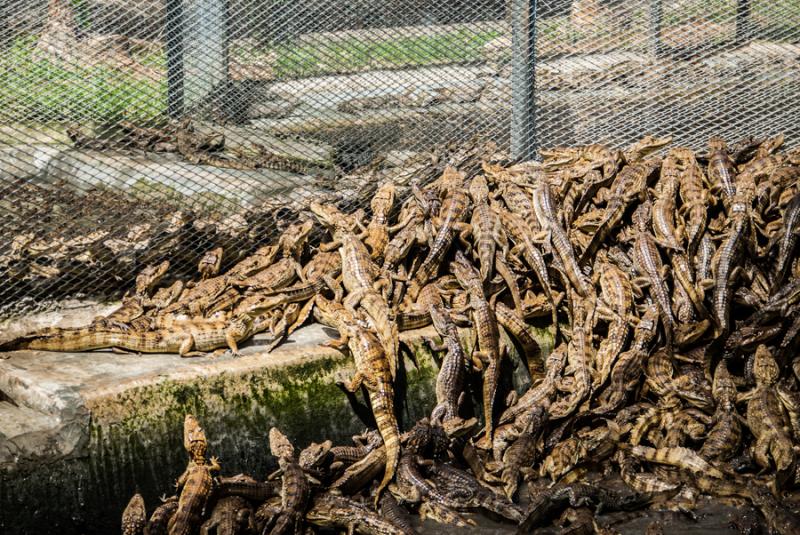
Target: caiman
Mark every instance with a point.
(721, 169)
(663, 212)
(485, 322)
(158, 524)
(372, 371)
(210, 263)
(727, 259)
(467, 492)
(630, 184)
(487, 230)
(231, 515)
(648, 263)
(556, 235)
(694, 202)
(580, 358)
(329, 510)
(295, 488)
(195, 484)
(766, 417)
(188, 339)
(361, 277)
(134, 516)
(378, 228)
(450, 223)
(451, 378)
(723, 439)
(524, 246)
(616, 307)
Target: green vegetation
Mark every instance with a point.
(356, 54)
(43, 90)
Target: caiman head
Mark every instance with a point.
(279, 445)
(478, 189)
(765, 368)
(645, 147)
(194, 438)
(314, 454)
(150, 276)
(294, 237)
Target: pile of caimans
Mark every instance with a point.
(669, 279)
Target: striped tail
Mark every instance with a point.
(382, 402)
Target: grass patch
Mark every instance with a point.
(43, 90)
(305, 59)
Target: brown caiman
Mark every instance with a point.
(196, 483)
(451, 378)
(372, 371)
(295, 488)
(450, 223)
(134, 516)
(485, 322)
(647, 259)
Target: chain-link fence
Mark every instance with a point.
(132, 132)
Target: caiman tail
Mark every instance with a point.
(54, 339)
(382, 402)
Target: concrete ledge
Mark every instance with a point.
(80, 431)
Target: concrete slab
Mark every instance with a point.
(80, 431)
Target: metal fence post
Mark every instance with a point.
(523, 78)
(174, 46)
(742, 21)
(656, 23)
(205, 49)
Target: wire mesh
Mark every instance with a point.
(137, 131)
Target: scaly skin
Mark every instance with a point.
(330, 510)
(378, 228)
(723, 439)
(196, 483)
(628, 367)
(197, 299)
(382, 321)
(231, 516)
(648, 264)
(372, 370)
(158, 524)
(294, 239)
(629, 185)
(728, 255)
(788, 241)
(666, 233)
(766, 418)
(643, 482)
(487, 229)
(544, 391)
(580, 355)
(522, 235)
(518, 329)
(451, 377)
(544, 205)
(462, 487)
(453, 211)
(279, 275)
(485, 321)
(295, 489)
(695, 200)
(261, 259)
(616, 307)
(395, 513)
(721, 169)
(210, 263)
(679, 457)
(190, 339)
(149, 277)
(134, 517)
